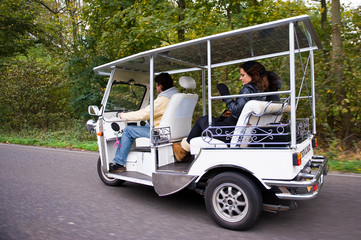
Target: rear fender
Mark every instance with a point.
(213, 171)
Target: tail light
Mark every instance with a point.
(297, 159)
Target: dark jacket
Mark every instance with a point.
(236, 106)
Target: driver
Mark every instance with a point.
(165, 90)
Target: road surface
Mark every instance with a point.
(56, 194)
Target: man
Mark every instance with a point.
(165, 90)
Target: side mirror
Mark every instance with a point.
(93, 110)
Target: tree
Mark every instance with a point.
(337, 70)
(84, 34)
(181, 30)
(34, 93)
(17, 29)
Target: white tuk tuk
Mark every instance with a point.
(268, 162)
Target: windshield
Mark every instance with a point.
(125, 97)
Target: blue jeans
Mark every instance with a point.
(129, 134)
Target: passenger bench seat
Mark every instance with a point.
(255, 112)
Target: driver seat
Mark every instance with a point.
(178, 115)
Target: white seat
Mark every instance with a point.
(254, 113)
(179, 113)
(257, 113)
(205, 142)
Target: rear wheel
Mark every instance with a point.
(107, 180)
(233, 200)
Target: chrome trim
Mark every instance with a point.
(151, 99)
(107, 89)
(317, 178)
(167, 183)
(292, 83)
(209, 72)
(130, 179)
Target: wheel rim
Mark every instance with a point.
(230, 202)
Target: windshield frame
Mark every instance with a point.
(115, 82)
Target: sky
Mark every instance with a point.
(354, 3)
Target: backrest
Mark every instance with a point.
(179, 112)
(256, 113)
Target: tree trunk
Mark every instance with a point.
(323, 14)
(181, 31)
(337, 69)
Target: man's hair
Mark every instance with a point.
(165, 80)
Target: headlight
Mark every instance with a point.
(91, 125)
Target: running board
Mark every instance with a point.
(133, 177)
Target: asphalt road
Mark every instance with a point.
(56, 194)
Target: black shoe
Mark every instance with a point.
(117, 168)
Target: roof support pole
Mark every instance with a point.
(151, 99)
(204, 91)
(292, 83)
(209, 67)
(107, 90)
(313, 93)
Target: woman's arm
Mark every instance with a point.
(236, 106)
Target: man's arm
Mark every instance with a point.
(160, 104)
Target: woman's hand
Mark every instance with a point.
(223, 89)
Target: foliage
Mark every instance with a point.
(87, 88)
(332, 106)
(30, 97)
(38, 38)
(74, 136)
(16, 26)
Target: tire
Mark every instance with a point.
(233, 200)
(105, 179)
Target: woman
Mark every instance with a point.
(255, 79)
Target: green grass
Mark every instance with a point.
(79, 139)
(342, 161)
(71, 139)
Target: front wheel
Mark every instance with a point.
(107, 180)
(233, 200)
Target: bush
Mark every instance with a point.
(35, 91)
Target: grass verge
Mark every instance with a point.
(56, 139)
(342, 161)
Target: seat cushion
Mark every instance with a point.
(205, 142)
(142, 142)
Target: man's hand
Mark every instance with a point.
(119, 114)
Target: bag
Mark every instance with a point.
(226, 113)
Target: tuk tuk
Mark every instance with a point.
(268, 162)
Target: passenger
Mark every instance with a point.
(274, 85)
(255, 79)
(165, 90)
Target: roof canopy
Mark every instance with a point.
(255, 42)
